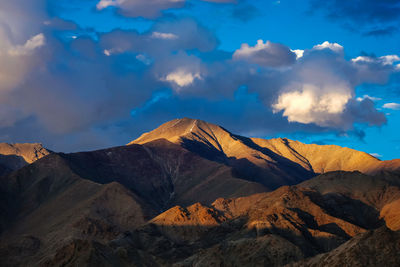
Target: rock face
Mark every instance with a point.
(191, 193)
(15, 156)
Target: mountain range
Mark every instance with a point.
(191, 193)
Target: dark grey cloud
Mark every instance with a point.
(163, 38)
(266, 54)
(140, 8)
(371, 17)
(148, 8)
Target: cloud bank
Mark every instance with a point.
(86, 92)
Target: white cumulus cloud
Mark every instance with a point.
(311, 104)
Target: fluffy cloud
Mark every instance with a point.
(54, 87)
(320, 89)
(323, 106)
(266, 54)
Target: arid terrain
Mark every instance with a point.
(191, 193)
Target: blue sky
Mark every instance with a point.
(91, 74)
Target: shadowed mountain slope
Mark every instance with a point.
(161, 173)
(96, 196)
(46, 205)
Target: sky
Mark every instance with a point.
(81, 75)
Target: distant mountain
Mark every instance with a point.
(15, 156)
(190, 193)
(272, 162)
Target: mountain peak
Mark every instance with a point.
(186, 128)
(215, 143)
